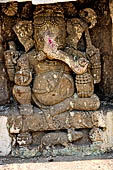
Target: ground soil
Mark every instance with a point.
(101, 162)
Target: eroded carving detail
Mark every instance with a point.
(53, 73)
(11, 57)
(10, 9)
(24, 32)
(53, 82)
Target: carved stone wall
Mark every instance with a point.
(104, 30)
(56, 78)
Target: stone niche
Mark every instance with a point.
(56, 78)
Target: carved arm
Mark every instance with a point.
(23, 78)
(93, 55)
(34, 57)
(23, 75)
(11, 57)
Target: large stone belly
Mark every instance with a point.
(52, 87)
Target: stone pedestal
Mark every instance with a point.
(98, 124)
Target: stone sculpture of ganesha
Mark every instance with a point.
(44, 71)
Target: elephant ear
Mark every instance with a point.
(24, 31)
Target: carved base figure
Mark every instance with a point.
(60, 138)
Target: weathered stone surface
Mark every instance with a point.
(74, 135)
(42, 82)
(15, 124)
(103, 41)
(60, 138)
(96, 135)
(98, 118)
(108, 132)
(5, 139)
(73, 103)
(100, 121)
(25, 152)
(85, 140)
(66, 120)
(37, 136)
(34, 123)
(81, 150)
(44, 120)
(24, 139)
(81, 120)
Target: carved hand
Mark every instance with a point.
(23, 77)
(91, 50)
(34, 57)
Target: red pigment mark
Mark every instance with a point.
(50, 42)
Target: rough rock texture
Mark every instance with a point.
(104, 42)
(5, 139)
(96, 135)
(15, 124)
(34, 131)
(41, 122)
(60, 138)
(108, 134)
(53, 60)
(24, 139)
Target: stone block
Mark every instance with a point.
(98, 118)
(66, 120)
(5, 139)
(24, 139)
(96, 135)
(15, 124)
(80, 119)
(108, 131)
